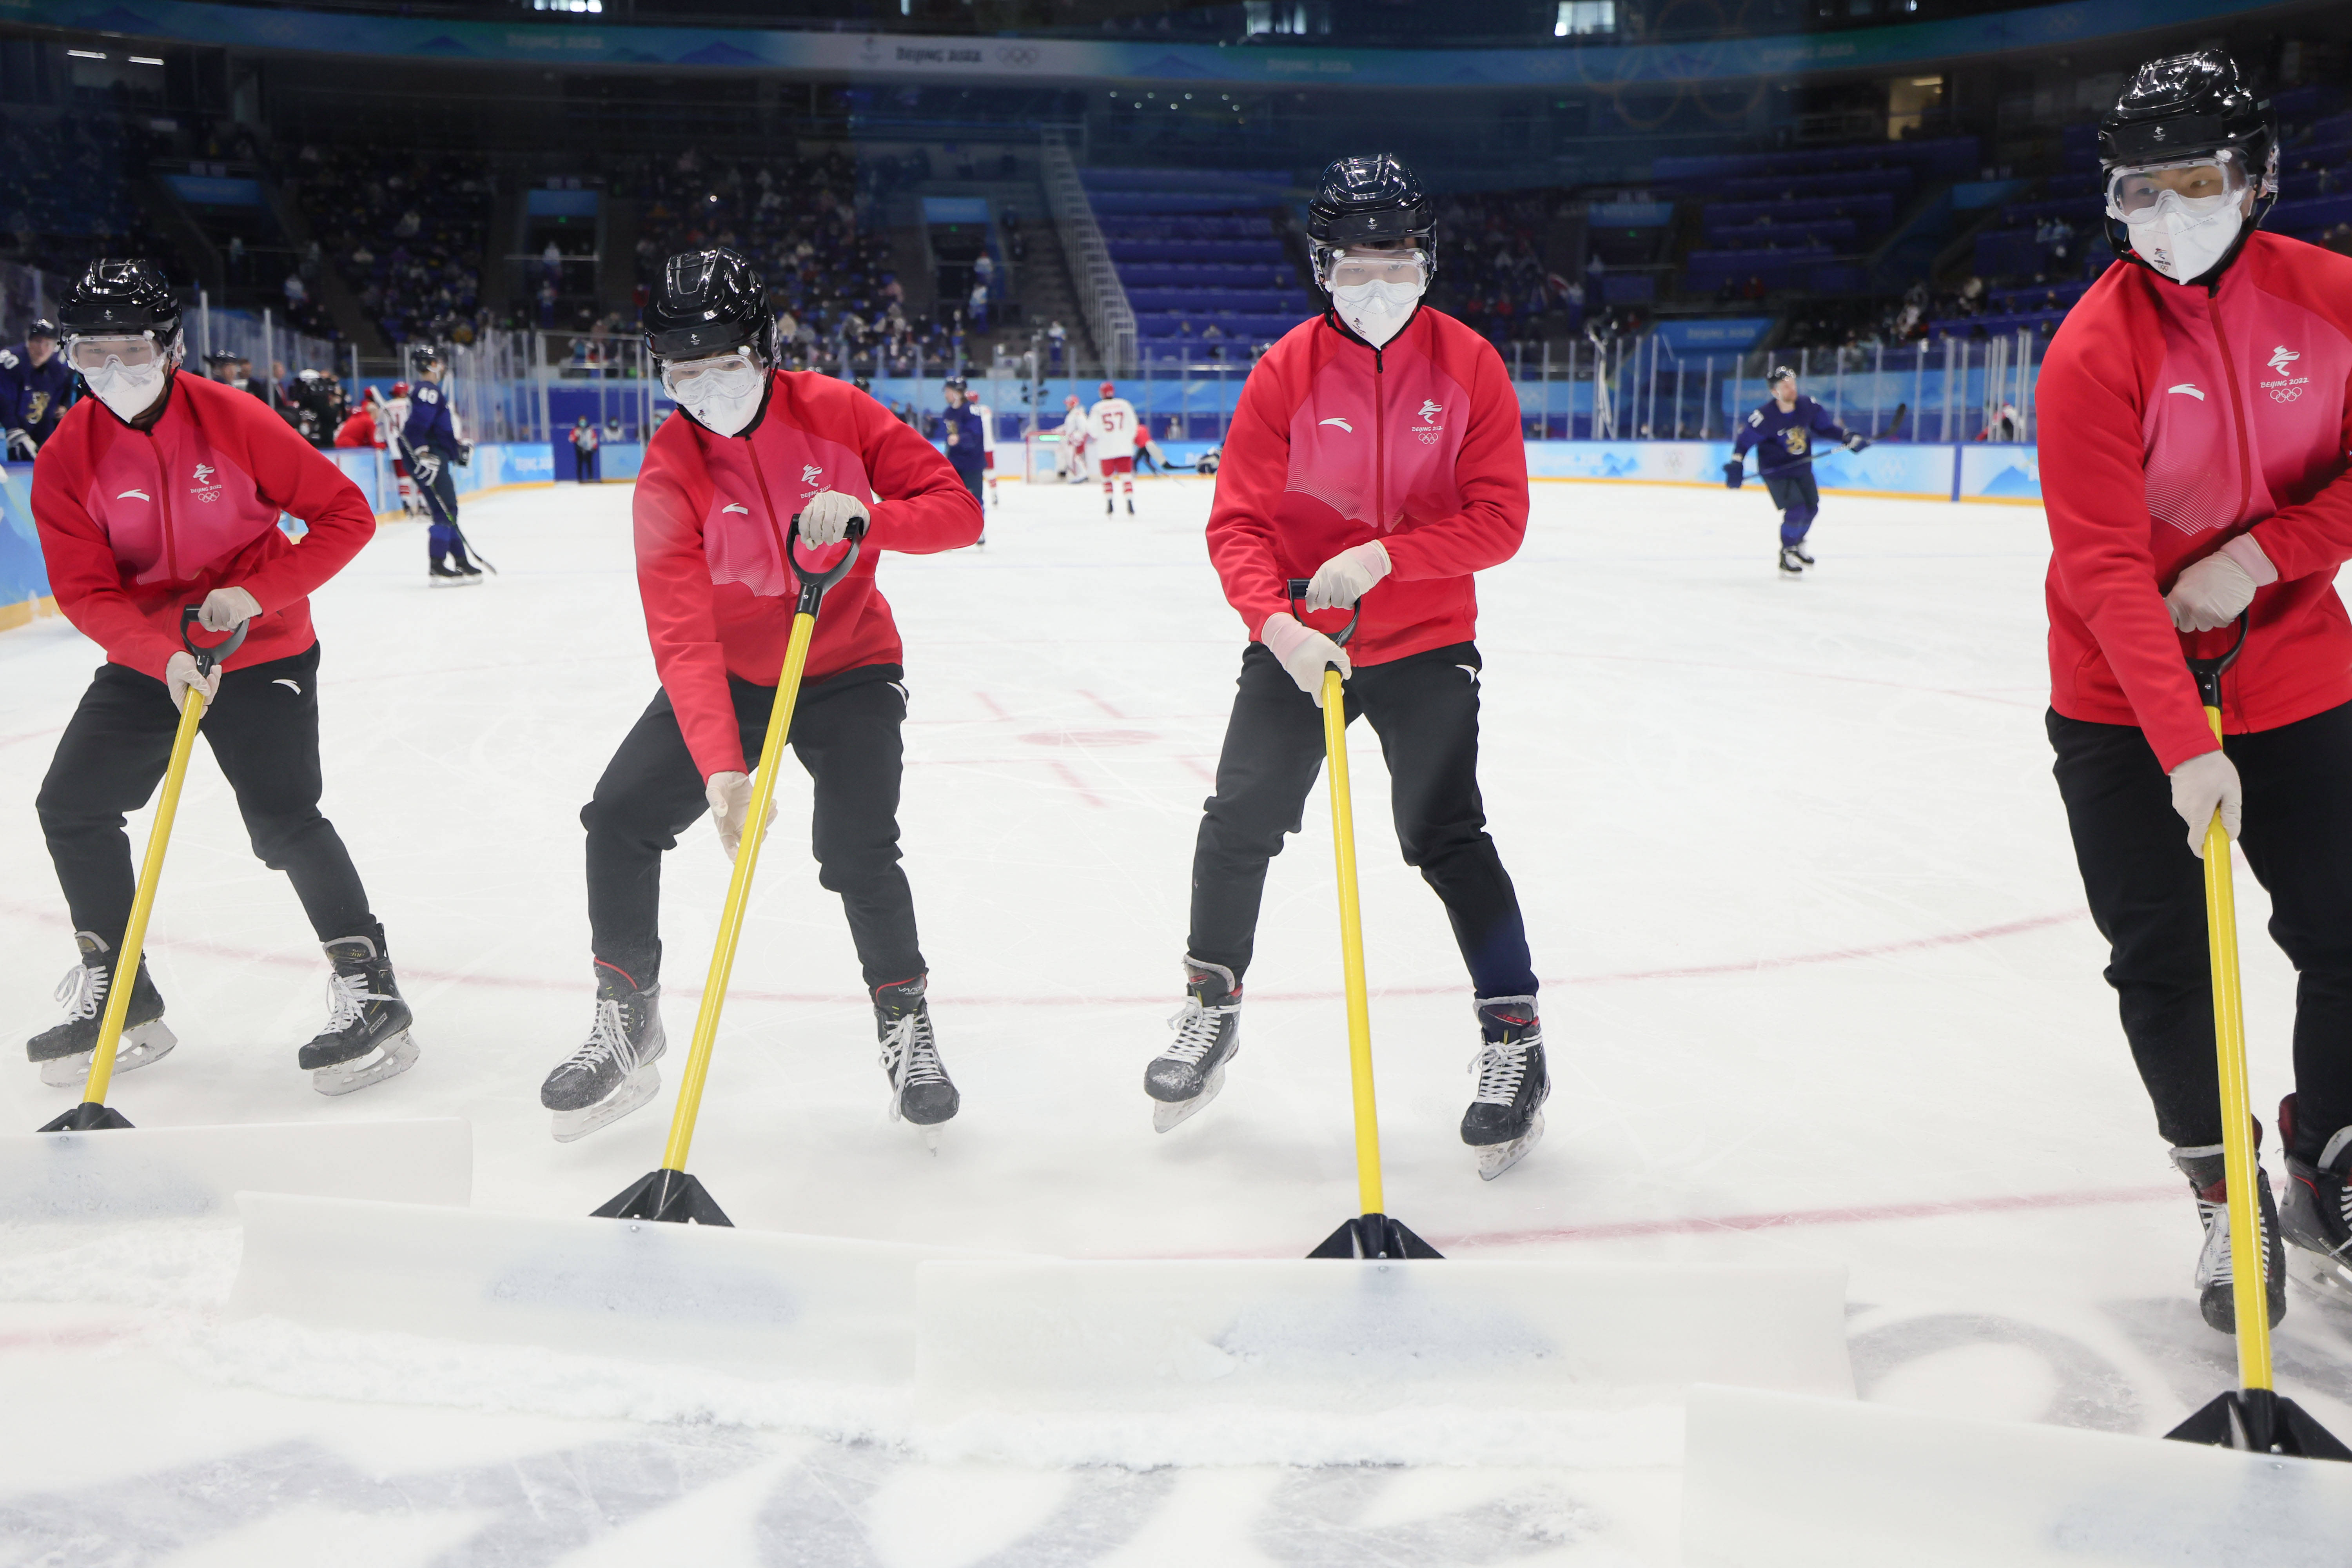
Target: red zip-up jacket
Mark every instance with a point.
(711, 516)
(1335, 444)
(2175, 420)
(135, 524)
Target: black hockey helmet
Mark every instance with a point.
(707, 303)
(2183, 105)
(44, 328)
(1369, 198)
(119, 298)
(1780, 374)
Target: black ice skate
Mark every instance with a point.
(1130, 506)
(472, 572)
(921, 1090)
(1797, 550)
(1505, 1116)
(613, 1073)
(64, 1053)
(1110, 507)
(1793, 562)
(2317, 1216)
(366, 1039)
(444, 575)
(1208, 1035)
(2202, 1167)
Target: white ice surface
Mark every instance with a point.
(1819, 988)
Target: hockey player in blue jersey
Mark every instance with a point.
(35, 384)
(1786, 434)
(432, 448)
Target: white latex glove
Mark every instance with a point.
(20, 445)
(2202, 785)
(225, 609)
(730, 803)
(825, 517)
(2210, 593)
(1340, 581)
(180, 674)
(1303, 651)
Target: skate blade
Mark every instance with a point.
(391, 1058)
(2323, 1275)
(640, 1086)
(150, 1042)
(1494, 1159)
(1168, 1113)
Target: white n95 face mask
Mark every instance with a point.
(1376, 312)
(722, 392)
(2183, 244)
(128, 391)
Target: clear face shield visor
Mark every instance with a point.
(132, 351)
(1403, 265)
(2191, 187)
(719, 377)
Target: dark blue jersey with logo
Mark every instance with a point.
(1786, 440)
(33, 397)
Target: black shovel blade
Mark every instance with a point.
(671, 1196)
(2258, 1421)
(90, 1116)
(1374, 1235)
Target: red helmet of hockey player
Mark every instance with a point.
(400, 389)
(1108, 390)
(1071, 400)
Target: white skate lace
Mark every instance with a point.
(1501, 1065)
(82, 991)
(2213, 1261)
(347, 996)
(910, 1057)
(608, 1039)
(1197, 1028)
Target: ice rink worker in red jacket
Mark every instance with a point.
(1377, 451)
(2197, 409)
(158, 491)
(755, 447)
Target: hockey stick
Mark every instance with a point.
(93, 1112)
(667, 1192)
(408, 456)
(1373, 1233)
(2254, 1415)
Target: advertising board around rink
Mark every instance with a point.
(1972, 471)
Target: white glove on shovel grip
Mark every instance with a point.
(1304, 652)
(225, 609)
(180, 673)
(2210, 593)
(1348, 576)
(2204, 784)
(730, 803)
(825, 517)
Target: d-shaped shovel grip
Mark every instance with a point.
(2207, 671)
(208, 658)
(813, 587)
(1299, 591)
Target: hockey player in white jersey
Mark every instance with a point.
(988, 451)
(1111, 431)
(1074, 440)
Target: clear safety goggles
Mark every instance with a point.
(2199, 186)
(718, 375)
(132, 352)
(1351, 268)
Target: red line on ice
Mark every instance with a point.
(1102, 704)
(1864, 1213)
(1075, 783)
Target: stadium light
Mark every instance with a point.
(85, 54)
(145, 60)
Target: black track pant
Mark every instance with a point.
(2147, 895)
(845, 733)
(1424, 708)
(264, 734)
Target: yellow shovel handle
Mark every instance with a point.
(1351, 947)
(2249, 1257)
(738, 895)
(143, 904)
